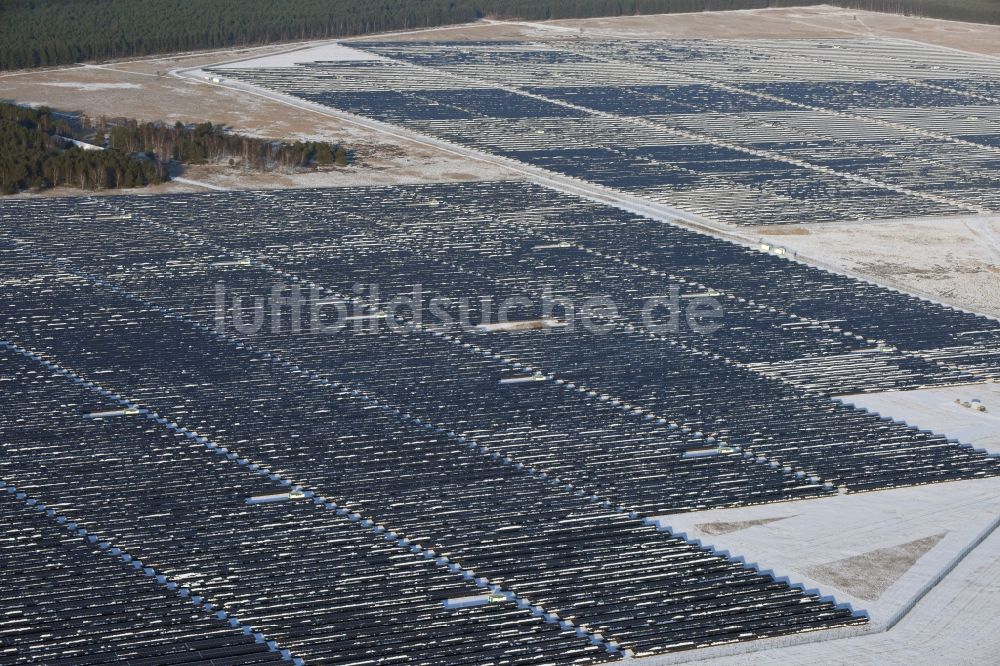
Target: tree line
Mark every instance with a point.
(205, 143)
(37, 150)
(39, 33)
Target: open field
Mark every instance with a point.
(817, 22)
(144, 90)
(801, 22)
(955, 260)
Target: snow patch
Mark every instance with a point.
(936, 409)
(325, 53)
(930, 524)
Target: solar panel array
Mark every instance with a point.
(357, 497)
(743, 132)
(296, 579)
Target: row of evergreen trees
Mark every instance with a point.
(972, 11)
(205, 142)
(35, 151)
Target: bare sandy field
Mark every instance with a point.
(145, 90)
(821, 21)
(955, 260)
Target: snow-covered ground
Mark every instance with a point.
(330, 52)
(935, 409)
(956, 624)
(895, 554)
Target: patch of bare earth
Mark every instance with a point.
(717, 528)
(869, 575)
(791, 230)
(822, 21)
(819, 22)
(171, 187)
(954, 260)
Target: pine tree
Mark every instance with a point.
(342, 156)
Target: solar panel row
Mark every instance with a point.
(413, 432)
(318, 584)
(738, 132)
(405, 484)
